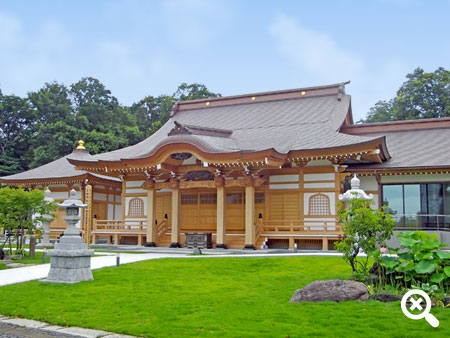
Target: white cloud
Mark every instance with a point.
(313, 51)
(319, 59)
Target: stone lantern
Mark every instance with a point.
(70, 260)
(355, 192)
(46, 223)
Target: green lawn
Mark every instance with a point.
(37, 259)
(213, 297)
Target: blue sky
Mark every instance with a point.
(139, 48)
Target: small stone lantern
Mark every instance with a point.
(46, 223)
(70, 261)
(355, 192)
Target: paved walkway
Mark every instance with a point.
(25, 328)
(25, 274)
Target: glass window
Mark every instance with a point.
(208, 199)
(234, 198)
(412, 198)
(393, 201)
(189, 199)
(259, 197)
(415, 205)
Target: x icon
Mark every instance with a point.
(416, 304)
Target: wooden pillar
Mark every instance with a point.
(116, 239)
(291, 242)
(221, 227)
(325, 243)
(175, 234)
(151, 214)
(249, 215)
(88, 215)
(139, 240)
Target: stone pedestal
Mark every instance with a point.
(46, 224)
(70, 261)
(45, 242)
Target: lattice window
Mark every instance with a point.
(189, 199)
(319, 204)
(259, 198)
(136, 207)
(234, 198)
(208, 199)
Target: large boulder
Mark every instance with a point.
(331, 290)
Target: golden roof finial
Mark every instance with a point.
(81, 145)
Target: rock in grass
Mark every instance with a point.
(445, 301)
(385, 297)
(331, 290)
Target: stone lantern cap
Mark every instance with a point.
(47, 194)
(355, 192)
(72, 202)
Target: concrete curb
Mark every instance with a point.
(75, 331)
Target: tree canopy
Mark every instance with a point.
(45, 125)
(424, 95)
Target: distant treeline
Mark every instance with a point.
(45, 125)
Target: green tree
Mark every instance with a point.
(365, 229)
(17, 125)
(424, 95)
(20, 210)
(193, 91)
(152, 113)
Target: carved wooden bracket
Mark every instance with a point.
(148, 184)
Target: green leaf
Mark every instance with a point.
(405, 267)
(430, 244)
(423, 255)
(408, 242)
(437, 277)
(425, 267)
(443, 254)
(447, 271)
(389, 262)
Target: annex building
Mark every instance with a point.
(257, 168)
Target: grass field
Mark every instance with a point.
(214, 297)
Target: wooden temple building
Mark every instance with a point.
(257, 168)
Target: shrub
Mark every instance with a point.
(420, 263)
(365, 229)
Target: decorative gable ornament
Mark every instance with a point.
(355, 192)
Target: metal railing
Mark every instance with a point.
(421, 221)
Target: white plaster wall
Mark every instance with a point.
(375, 205)
(118, 215)
(368, 183)
(284, 178)
(136, 191)
(110, 211)
(134, 184)
(61, 195)
(416, 178)
(319, 177)
(118, 198)
(284, 186)
(98, 196)
(331, 195)
(319, 185)
(111, 198)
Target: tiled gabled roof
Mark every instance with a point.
(298, 119)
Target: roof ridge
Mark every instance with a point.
(269, 96)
